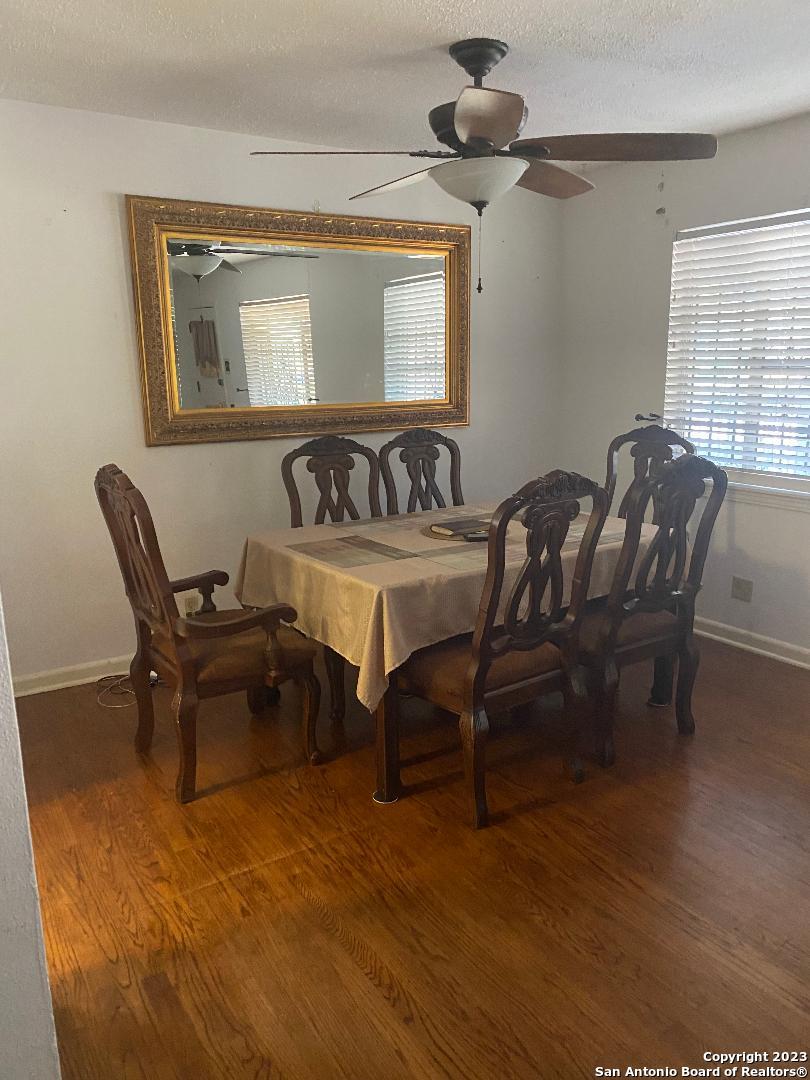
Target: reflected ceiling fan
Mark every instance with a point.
(197, 258)
(485, 158)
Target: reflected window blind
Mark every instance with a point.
(738, 357)
(413, 313)
(277, 340)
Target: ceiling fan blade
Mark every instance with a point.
(259, 251)
(488, 117)
(353, 153)
(177, 247)
(547, 179)
(629, 146)
(225, 265)
(394, 185)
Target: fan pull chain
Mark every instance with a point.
(480, 235)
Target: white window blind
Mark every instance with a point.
(277, 340)
(738, 358)
(414, 365)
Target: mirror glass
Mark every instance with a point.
(305, 324)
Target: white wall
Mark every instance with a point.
(27, 1038)
(617, 246)
(71, 398)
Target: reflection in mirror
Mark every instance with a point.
(269, 324)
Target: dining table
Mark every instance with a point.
(377, 590)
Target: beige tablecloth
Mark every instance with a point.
(378, 590)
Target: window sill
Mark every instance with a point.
(768, 493)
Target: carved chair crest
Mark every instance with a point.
(330, 459)
(652, 447)
(419, 451)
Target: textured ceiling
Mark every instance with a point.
(365, 72)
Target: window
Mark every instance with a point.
(413, 313)
(738, 358)
(277, 339)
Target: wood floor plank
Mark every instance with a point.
(285, 926)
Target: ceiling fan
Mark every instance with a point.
(482, 122)
(197, 258)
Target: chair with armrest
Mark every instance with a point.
(419, 452)
(522, 646)
(331, 460)
(652, 616)
(651, 447)
(201, 656)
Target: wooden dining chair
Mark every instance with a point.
(201, 656)
(650, 448)
(331, 460)
(522, 646)
(652, 616)
(419, 451)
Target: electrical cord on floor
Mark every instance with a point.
(110, 686)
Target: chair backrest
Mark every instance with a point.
(535, 610)
(419, 450)
(330, 459)
(661, 580)
(133, 535)
(652, 447)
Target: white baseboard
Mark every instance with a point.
(59, 678)
(756, 643)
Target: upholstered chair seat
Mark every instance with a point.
(439, 671)
(637, 628)
(239, 657)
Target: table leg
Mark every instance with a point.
(661, 690)
(387, 728)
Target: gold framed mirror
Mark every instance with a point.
(257, 323)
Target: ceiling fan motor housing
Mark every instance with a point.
(441, 124)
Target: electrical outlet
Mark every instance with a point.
(192, 605)
(742, 589)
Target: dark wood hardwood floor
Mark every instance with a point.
(284, 925)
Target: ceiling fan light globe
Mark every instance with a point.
(196, 265)
(479, 180)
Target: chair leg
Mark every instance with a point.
(139, 678)
(473, 728)
(661, 690)
(185, 713)
(605, 707)
(688, 662)
(578, 708)
(310, 706)
(335, 671)
(257, 699)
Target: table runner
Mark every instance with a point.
(377, 590)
